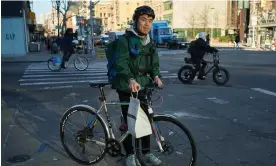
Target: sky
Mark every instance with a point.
(41, 7)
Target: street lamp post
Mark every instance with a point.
(58, 8)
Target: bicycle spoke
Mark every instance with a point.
(86, 145)
(175, 144)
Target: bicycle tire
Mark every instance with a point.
(188, 68)
(83, 58)
(221, 69)
(50, 61)
(183, 128)
(62, 122)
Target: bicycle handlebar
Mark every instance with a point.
(151, 87)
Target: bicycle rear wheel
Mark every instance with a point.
(81, 63)
(53, 66)
(82, 135)
(167, 145)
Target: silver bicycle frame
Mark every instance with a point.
(110, 130)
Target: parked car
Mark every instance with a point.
(177, 43)
(105, 40)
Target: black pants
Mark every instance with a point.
(128, 141)
(198, 67)
(66, 57)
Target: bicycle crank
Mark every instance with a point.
(114, 148)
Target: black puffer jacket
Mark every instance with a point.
(199, 47)
(66, 43)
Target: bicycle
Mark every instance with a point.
(54, 63)
(111, 145)
(187, 70)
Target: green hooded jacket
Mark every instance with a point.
(127, 65)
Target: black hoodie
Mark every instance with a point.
(199, 48)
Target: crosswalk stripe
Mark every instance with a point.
(58, 87)
(104, 71)
(63, 82)
(65, 75)
(52, 79)
(38, 75)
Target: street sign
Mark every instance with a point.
(254, 20)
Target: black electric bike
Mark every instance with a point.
(220, 74)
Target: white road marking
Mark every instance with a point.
(216, 100)
(63, 75)
(38, 75)
(182, 113)
(62, 82)
(264, 91)
(57, 87)
(65, 72)
(56, 79)
(170, 76)
(69, 71)
(69, 74)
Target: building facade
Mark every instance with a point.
(18, 22)
(117, 14)
(238, 17)
(190, 17)
(265, 29)
(104, 12)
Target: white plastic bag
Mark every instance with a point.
(137, 120)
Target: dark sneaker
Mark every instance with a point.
(201, 77)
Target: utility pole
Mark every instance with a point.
(91, 41)
(253, 23)
(58, 8)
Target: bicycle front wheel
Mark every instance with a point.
(176, 140)
(81, 63)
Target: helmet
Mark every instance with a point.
(141, 11)
(201, 35)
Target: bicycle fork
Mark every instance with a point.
(156, 130)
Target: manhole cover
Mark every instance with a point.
(18, 158)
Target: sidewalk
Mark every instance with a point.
(231, 46)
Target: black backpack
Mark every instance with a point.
(192, 44)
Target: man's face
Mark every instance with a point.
(144, 24)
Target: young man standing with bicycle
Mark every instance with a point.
(137, 65)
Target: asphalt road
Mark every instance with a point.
(232, 125)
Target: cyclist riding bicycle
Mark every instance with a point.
(67, 46)
(197, 50)
(136, 69)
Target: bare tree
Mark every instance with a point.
(204, 17)
(191, 20)
(216, 21)
(65, 7)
